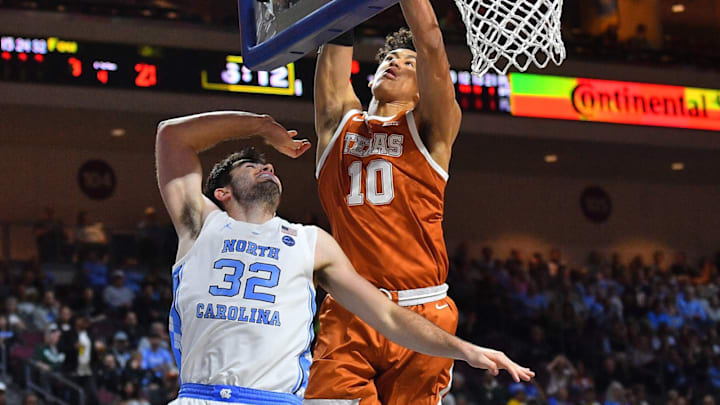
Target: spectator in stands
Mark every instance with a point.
(117, 296)
(556, 265)
(121, 349)
(583, 381)
(146, 305)
(708, 273)
(27, 304)
(30, 399)
(538, 348)
(589, 397)
(680, 266)
(639, 41)
(109, 378)
(561, 397)
(47, 311)
(675, 320)
(490, 392)
(47, 356)
(615, 394)
(50, 237)
(156, 357)
(562, 374)
(95, 270)
(689, 307)
(2, 393)
(79, 356)
(156, 328)
(518, 395)
(29, 282)
(168, 390)
(609, 373)
(131, 395)
(487, 263)
(712, 308)
(64, 320)
(714, 373)
(535, 301)
(7, 336)
(15, 320)
(131, 328)
(135, 373)
(149, 237)
(87, 303)
(89, 237)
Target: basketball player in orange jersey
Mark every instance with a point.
(382, 176)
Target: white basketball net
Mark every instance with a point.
(506, 33)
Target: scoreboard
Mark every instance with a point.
(142, 67)
(54, 60)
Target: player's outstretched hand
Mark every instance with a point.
(283, 140)
(494, 361)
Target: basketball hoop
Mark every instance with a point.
(506, 33)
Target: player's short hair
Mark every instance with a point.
(220, 174)
(401, 38)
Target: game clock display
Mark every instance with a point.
(61, 61)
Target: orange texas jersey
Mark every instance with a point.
(383, 194)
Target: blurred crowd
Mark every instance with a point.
(607, 331)
(604, 332)
(105, 330)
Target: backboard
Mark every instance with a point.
(277, 32)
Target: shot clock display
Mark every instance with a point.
(63, 61)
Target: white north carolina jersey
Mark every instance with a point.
(243, 305)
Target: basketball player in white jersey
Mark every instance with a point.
(241, 321)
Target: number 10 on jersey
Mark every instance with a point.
(378, 183)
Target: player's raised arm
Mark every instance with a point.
(335, 273)
(179, 173)
(437, 111)
(334, 94)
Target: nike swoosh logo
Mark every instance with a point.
(441, 306)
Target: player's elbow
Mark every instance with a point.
(164, 128)
(169, 133)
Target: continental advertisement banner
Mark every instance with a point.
(578, 99)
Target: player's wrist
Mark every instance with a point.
(345, 39)
(468, 351)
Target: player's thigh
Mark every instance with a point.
(419, 380)
(416, 378)
(345, 358)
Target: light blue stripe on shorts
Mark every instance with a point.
(233, 394)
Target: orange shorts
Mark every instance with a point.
(353, 361)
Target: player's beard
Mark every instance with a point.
(265, 194)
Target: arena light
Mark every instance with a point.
(579, 99)
(118, 132)
(551, 158)
(677, 166)
(678, 8)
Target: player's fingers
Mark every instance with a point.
(514, 373)
(494, 370)
(526, 374)
(297, 148)
(292, 133)
(305, 146)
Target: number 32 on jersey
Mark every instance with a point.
(378, 176)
